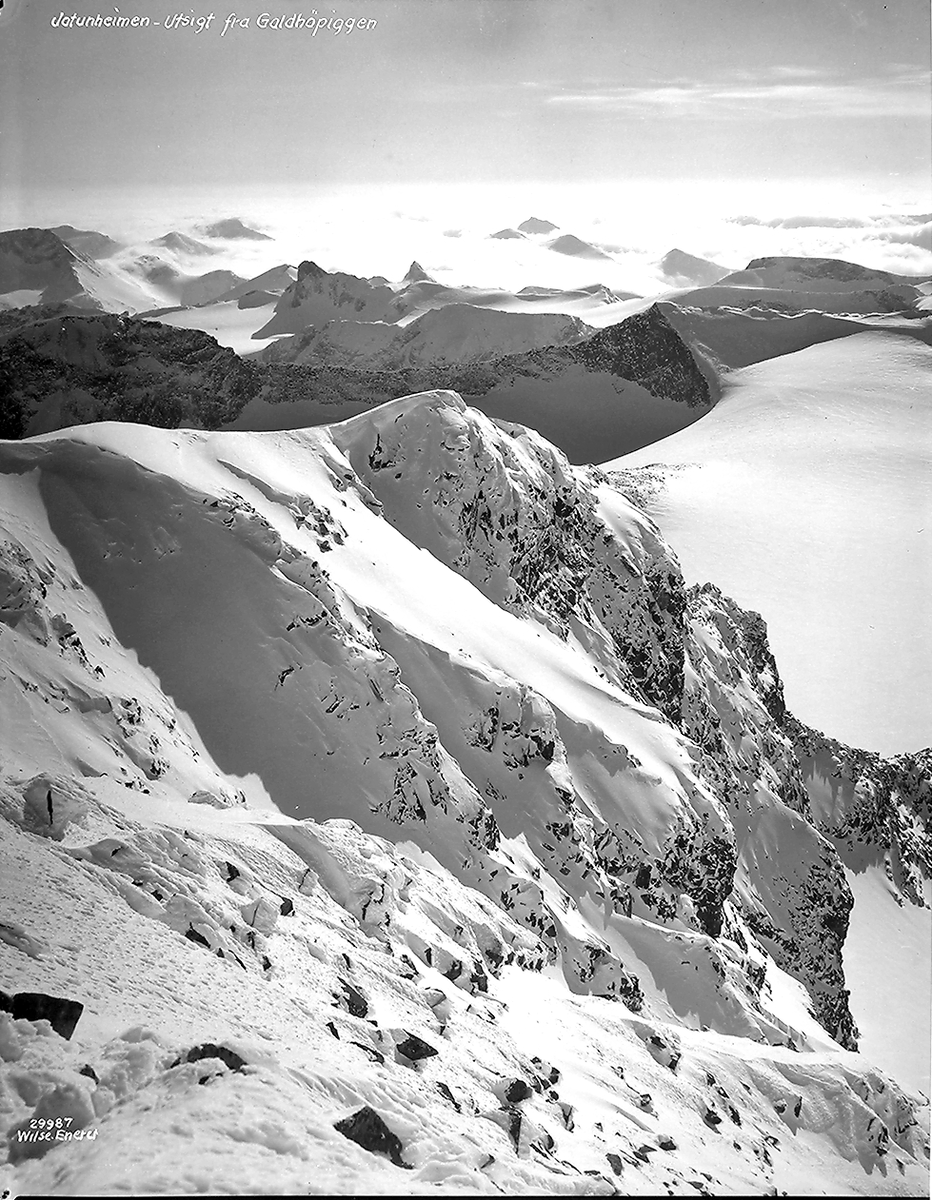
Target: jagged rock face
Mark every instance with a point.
(647, 349)
(536, 535)
(797, 903)
(873, 809)
(58, 368)
(38, 260)
(317, 296)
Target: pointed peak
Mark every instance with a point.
(417, 274)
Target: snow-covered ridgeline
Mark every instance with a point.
(511, 749)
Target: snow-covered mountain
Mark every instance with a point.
(682, 269)
(233, 228)
(421, 831)
(91, 242)
(630, 383)
(38, 267)
(568, 243)
(804, 284)
(456, 333)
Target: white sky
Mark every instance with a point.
(470, 91)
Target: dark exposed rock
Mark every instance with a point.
(375, 1055)
(448, 1095)
(89, 1071)
(366, 1128)
(228, 1057)
(415, 1048)
(62, 1014)
(356, 1003)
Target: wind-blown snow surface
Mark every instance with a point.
(806, 494)
(327, 749)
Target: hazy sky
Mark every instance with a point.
(468, 90)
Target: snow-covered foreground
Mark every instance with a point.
(806, 494)
(404, 826)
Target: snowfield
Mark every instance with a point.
(405, 825)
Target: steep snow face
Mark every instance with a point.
(457, 333)
(445, 804)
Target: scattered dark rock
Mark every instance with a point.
(63, 1015)
(287, 907)
(375, 1055)
(367, 1129)
(711, 1118)
(228, 1057)
(666, 1143)
(415, 1048)
(333, 1029)
(356, 1003)
(615, 1162)
(516, 1090)
(193, 936)
(448, 1095)
(89, 1071)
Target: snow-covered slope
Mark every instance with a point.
(805, 494)
(807, 284)
(724, 339)
(403, 825)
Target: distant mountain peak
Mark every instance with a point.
(87, 241)
(417, 274)
(678, 265)
(310, 270)
(233, 227)
(536, 225)
(183, 243)
(568, 243)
